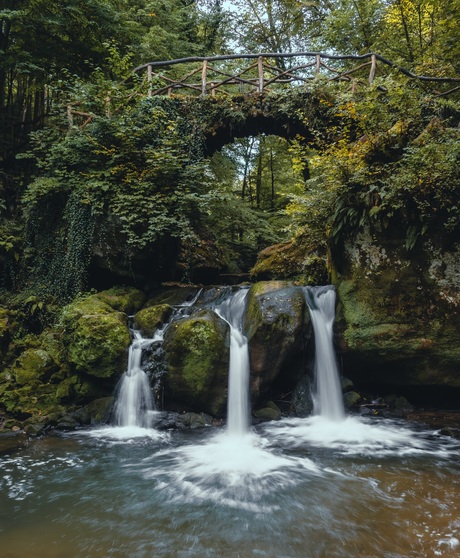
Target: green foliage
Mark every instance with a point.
(395, 164)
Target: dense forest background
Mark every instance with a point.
(98, 182)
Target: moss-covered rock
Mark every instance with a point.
(399, 312)
(123, 299)
(172, 296)
(96, 412)
(295, 260)
(96, 337)
(148, 320)
(197, 354)
(275, 324)
(32, 400)
(33, 364)
(270, 411)
(72, 363)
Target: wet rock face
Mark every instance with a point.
(197, 355)
(275, 324)
(399, 312)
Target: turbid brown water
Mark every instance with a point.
(295, 488)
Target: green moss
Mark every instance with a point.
(4, 318)
(152, 318)
(123, 299)
(197, 356)
(199, 344)
(172, 296)
(35, 399)
(65, 391)
(97, 344)
(33, 364)
(295, 260)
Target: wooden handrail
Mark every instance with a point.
(313, 54)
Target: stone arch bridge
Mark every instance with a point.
(271, 92)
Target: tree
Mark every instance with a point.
(276, 25)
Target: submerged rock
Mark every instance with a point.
(197, 355)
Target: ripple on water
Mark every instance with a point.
(234, 471)
(193, 494)
(360, 436)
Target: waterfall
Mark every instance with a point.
(232, 311)
(327, 396)
(134, 405)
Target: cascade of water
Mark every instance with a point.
(232, 311)
(134, 405)
(327, 398)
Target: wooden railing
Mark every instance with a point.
(267, 72)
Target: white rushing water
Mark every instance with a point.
(134, 409)
(232, 311)
(134, 405)
(327, 396)
(234, 468)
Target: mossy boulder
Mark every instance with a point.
(33, 364)
(32, 400)
(296, 259)
(123, 299)
(96, 412)
(270, 411)
(197, 355)
(399, 312)
(96, 337)
(172, 295)
(275, 324)
(148, 320)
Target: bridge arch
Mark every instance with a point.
(306, 116)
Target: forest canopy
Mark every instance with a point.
(89, 163)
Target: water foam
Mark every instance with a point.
(357, 435)
(236, 471)
(124, 433)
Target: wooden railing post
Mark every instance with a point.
(317, 65)
(213, 89)
(203, 77)
(260, 68)
(373, 69)
(149, 80)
